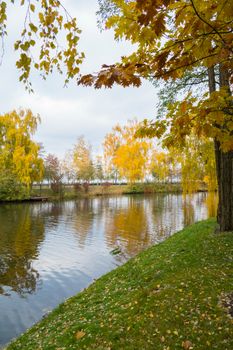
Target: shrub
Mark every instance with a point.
(11, 188)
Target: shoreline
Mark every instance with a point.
(99, 191)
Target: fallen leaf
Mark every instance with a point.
(80, 335)
(187, 344)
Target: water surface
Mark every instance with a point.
(50, 251)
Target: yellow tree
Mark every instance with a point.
(162, 165)
(209, 165)
(127, 154)
(82, 160)
(111, 144)
(19, 153)
(196, 161)
(173, 38)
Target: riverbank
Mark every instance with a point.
(82, 191)
(175, 295)
(66, 192)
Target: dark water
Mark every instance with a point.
(50, 251)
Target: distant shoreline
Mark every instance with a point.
(45, 194)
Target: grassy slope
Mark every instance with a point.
(166, 296)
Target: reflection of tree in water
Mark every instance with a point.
(188, 210)
(127, 227)
(83, 220)
(21, 232)
(158, 220)
(166, 215)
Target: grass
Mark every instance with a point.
(169, 297)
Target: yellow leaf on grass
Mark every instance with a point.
(80, 335)
(187, 345)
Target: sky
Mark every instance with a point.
(67, 113)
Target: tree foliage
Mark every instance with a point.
(162, 164)
(192, 165)
(197, 164)
(125, 153)
(53, 172)
(10, 187)
(19, 153)
(47, 25)
(82, 160)
(173, 38)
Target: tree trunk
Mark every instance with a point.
(224, 164)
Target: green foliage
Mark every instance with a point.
(136, 188)
(10, 188)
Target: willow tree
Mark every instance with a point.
(172, 38)
(19, 154)
(125, 153)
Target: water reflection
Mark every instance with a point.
(188, 209)
(50, 251)
(127, 227)
(20, 238)
(85, 215)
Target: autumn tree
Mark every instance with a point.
(162, 165)
(53, 171)
(193, 164)
(173, 38)
(111, 144)
(19, 154)
(82, 160)
(197, 164)
(67, 167)
(129, 155)
(99, 169)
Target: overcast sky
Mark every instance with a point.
(69, 112)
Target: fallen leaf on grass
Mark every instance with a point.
(80, 335)
(187, 345)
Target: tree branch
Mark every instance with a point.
(203, 20)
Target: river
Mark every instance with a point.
(51, 251)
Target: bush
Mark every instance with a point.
(135, 188)
(11, 188)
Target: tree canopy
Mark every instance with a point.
(126, 154)
(20, 161)
(173, 38)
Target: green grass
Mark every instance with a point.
(168, 297)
